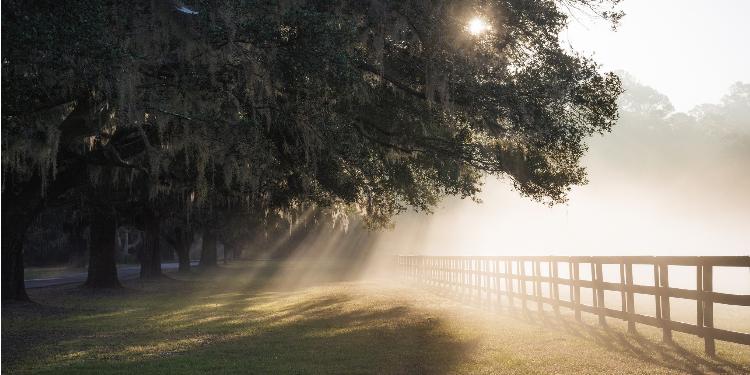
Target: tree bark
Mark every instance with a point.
(102, 265)
(236, 252)
(21, 205)
(208, 250)
(182, 247)
(226, 253)
(78, 246)
(13, 281)
(151, 254)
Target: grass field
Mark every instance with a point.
(239, 320)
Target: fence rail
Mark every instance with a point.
(506, 280)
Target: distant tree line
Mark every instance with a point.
(232, 118)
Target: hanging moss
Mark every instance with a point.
(361, 108)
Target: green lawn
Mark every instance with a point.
(240, 320)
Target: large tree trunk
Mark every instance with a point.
(236, 251)
(182, 247)
(232, 250)
(226, 252)
(208, 250)
(78, 246)
(13, 235)
(102, 264)
(21, 205)
(151, 254)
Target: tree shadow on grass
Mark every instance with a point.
(272, 275)
(671, 355)
(89, 306)
(269, 333)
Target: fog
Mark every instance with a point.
(672, 178)
(662, 183)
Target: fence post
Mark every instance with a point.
(463, 276)
(576, 278)
(594, 300)
(554, 284)
(470, 277)
(447, 272)
(479, 278)
(407, 267)
(454, 276)
(473, 276)
(623, 299)
(708, 310)
(432, 264)
(487, 278)
(600, 294)
(538, 286)
(438, 265)
(657, 297)
(439, 271)
(522, 279)
(665, 315)
(413, 268)
(430, 270)
(443, 274)
(476, 279)
(594, 286)
(435, 268)
(571, 293)
(631, 298)
(450, 272)
(400, 266)
(457, 275)
(509, 281)
(699, 299)
(497, 283)
(484, 279)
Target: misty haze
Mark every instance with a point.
(375, 187)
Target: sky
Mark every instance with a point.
(690, 50)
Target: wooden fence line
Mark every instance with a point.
(505, 278)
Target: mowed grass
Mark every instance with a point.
(242, 320)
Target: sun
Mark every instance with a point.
(478, 26)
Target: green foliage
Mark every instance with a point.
(368, 106)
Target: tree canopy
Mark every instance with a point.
(372, 106)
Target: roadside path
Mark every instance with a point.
(124, 272)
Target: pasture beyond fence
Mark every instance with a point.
(506, 280)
